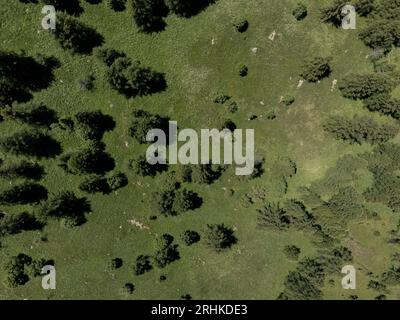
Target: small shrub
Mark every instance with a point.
(185, 200)
(241, 25)
(243, 71)
(221, 98)
(190, 237)
(117, 181)
(94, 183)
(142, 167)
(108, 56)
(315, 69)
(300, 11)
(219, 237)
(86, 83)
(142, 265)
(116, 263)
(128, 288)
(233, 107)
(292, 252)
(288, 100)
(166, 255)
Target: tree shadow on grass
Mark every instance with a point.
(16, 223)
(31, 143)
(71, 7)
(76, 36)
(197, 7)
(20, 74)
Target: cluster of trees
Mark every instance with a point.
(305, 281)
(20, 268)
(388, 9)
(316, 68)
(345, 202)
(324, 220)
(382, 34)
(363, 86)
(332, 216)
(360, 129)
(365, 7)
(92, 160)
(382, 29)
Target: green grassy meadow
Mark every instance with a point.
(196, 70)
